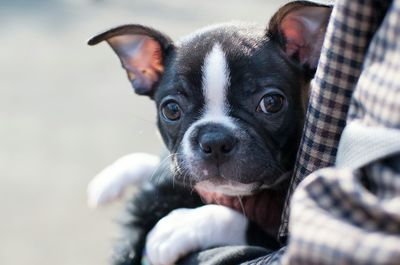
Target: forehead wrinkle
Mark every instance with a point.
(215, 81)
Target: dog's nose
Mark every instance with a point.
(216, 144)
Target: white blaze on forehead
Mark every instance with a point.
(215, 82)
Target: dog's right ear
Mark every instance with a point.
(142, 51)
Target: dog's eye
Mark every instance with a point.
(171, 111)
(271, 103)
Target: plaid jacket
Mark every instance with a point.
(349, 211)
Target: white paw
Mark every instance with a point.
(110, 183)
(186, 230)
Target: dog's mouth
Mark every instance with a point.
(227, 187)
(234, 188)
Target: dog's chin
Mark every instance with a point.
(235, 188)
(228, 187)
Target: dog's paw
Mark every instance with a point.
(186, 230)
(110, 183)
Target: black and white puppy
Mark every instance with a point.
(231, 102)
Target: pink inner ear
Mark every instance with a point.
(144, 64)
(294, 35)
(303, 31)
(141, 56)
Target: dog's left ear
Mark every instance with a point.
(299, 27)
(142, 51)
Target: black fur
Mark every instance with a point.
(256, 63)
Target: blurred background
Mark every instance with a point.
(67, 111)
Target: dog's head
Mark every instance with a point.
(230, 98)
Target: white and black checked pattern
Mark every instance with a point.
(342, 215)
(349, 32)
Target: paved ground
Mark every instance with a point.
(66, 111)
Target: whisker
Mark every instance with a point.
(159, 167)
(241, 205)
(181, 170)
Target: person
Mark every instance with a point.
(343, 205)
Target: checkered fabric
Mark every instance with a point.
(348, 212)
(348, 36)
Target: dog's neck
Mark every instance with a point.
(264, 208)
